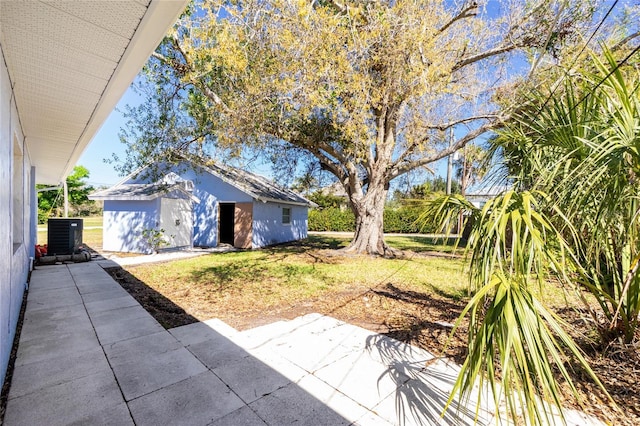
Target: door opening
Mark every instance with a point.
(226, 222)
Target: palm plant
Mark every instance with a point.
(584, 152)
(573, 214)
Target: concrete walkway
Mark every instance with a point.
(90, 354)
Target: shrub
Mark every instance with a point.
(401, 220)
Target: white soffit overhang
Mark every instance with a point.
(69, 63)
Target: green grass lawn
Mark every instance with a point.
(246, 282)
(280, 273)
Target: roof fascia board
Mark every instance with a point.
(161, 14)
(276, 201)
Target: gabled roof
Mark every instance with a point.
(258, 187)
(144, 192)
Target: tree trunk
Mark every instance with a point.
(369, 213)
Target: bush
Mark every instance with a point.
(396, 219)
(403, 220)
(331, 219)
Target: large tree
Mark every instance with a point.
(369, 89)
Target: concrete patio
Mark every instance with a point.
(90, 354)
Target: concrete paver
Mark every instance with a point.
(251, 379)
(47, 319)
(151, 362)
(102, 305)
(217, 351)
(83, 400)
(53, 298)
(111, 328)
(90, 354)
(35, 350)
(193, 333)
(107, 294)
(286, 405)
(198, 400)
(244, 416)
(31, 377)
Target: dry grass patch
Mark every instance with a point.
(245, 287)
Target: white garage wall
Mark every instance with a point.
(268, 228)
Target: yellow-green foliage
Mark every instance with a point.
(367, 88)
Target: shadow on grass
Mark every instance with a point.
(163, 309)
(312, 242)
(267, 268)
(270, 262)
(421, 244)
(435, 320)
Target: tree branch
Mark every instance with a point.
(446, 126)
(468, 12)
(402, 168)
(184, 69)
(625, 40)
(484, 55)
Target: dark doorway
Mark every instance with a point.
(226, 222)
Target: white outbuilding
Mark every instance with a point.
(196, 205)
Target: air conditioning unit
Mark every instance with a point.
(64, 236)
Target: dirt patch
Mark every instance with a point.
(163, 309)
(411, 316)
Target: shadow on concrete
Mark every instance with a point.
(424, 385)
(272, 390)
(192, 374)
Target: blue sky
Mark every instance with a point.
(106, 143)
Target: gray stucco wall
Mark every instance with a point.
(15, 247)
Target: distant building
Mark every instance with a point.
(204, 206)
(480, 194)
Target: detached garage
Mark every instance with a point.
(143, 218)
(225, 205)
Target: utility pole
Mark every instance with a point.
(66, 198)
(449, 163)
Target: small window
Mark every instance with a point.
(286, 215)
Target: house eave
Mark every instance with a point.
(68, 64)
(160, 15)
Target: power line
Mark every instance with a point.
(633, 52)
(575, 60)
